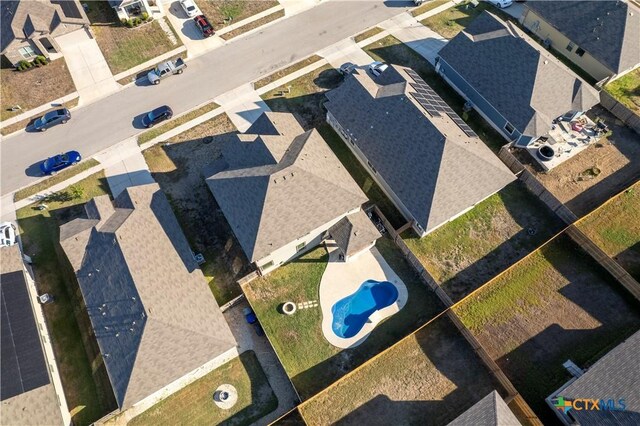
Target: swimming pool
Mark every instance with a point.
(351, 313)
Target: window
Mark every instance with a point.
(509, 128)
(267, 265)
(301, 246)
(580, 52)
(570, 46)
(27, 52)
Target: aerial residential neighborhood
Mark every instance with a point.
(318, 212)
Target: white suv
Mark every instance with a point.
(500, 3)
(7, 234)
(190, 8)
(377, 68)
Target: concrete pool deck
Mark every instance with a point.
(340, 279)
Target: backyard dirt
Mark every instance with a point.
(578, 313)
(617, 158)
(178, 167)
(433, 376)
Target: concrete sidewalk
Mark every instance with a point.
(126, 167)
(243, 105)
(411, 32)
(87, 66)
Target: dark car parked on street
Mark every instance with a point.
(203, 24)
(156, 116)
(50, 119)
(53, 165)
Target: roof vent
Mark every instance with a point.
(546, 62)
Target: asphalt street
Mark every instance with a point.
(104, 123)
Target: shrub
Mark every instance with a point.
(130, 23)
(137, 21)
(40, 60)
(145, 16)
(24, 65)
(124, 21)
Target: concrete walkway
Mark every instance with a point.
(126, 167)
(411, 32)
(341, 279)
(248, 340)
(243, 105)
(345, 51)
(87, 66)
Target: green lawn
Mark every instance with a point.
(40, 236)
(626, 89)
(453, 20)
(367, 34)
(194, 405)
(286, 71)
(429, 379)
(392, 50)
(172, 124)
(470, 250)
(308, 358)
(427, 6)
(54, 180)
(615, 228)
(555, 305)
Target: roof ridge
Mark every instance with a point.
(179, 327)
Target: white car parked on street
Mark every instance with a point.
(7, 234)
(190, 8)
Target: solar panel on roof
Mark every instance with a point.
(23, 366)
(463, 126)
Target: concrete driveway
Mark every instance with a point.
(420, 38)
(515, 10)
(87, 66)
(189, 33)
(345, 51)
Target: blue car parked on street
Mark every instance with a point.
(53, 165)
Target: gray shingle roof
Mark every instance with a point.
(21, 18)
(489, 411)
(432, 166)
(525, 83)
(616, 375)
(276, 188)
(153, 314)
(354, 233)
(608, 30)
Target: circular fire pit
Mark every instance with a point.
(289, 308)
(546, 153)
(225, 396)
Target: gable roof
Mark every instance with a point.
(615, 375)
(280, 183)
(608, 30)
(153, 314)
(26, 390)
(525, 83)
(354, 232)
(433, 167)
(489, 411)
(20, 19)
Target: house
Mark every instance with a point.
(283, 191)
(611, 383)
(489, 411)
(422, 154)
(127, 9)
(514, 83)
(27, 393)
(29, 27)
(155, 320)
(601, 37)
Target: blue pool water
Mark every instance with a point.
(351, 313)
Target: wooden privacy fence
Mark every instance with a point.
(535, 186)
(621, 111)
(513, 395)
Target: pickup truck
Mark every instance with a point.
(166, 69)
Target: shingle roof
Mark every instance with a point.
(277, 187)
(525, 83)
(20, 18)
(26, 390)
(608, 30)
(354, 233)
(153, 314)
(616, 375)
(489, 411)
(432, 166)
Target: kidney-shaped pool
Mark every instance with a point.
(351, 313)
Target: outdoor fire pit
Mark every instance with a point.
(546, 153)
